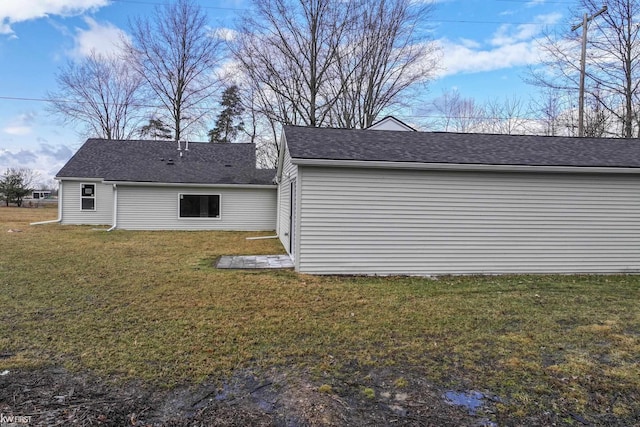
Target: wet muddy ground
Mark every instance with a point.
(54, 396)
(57, 397)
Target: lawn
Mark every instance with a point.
(149, 306)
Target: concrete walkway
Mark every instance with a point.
(255, 262)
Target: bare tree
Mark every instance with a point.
(613, 61)
(101, 93)
(457, 114)
(549, 108)
(331, 62)
(508, 116)
(385, 55)
(176, 53)
(597, 120)
(288, 48)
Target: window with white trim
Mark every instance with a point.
(88, 197)
(199, 206)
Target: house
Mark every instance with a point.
(390, 123)
(425, 203)
(385, 200)
(164, 185)
(40, 194)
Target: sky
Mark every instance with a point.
(486, 48)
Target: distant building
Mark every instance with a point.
(40, 194)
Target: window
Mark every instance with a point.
(88, 197)
(199, 206)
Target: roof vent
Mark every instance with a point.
(228, 166)
(170, 162)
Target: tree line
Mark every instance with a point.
(333, 63)
(300, 62)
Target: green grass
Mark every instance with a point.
(148, 305)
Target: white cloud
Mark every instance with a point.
(510, 46)
(46, 160)
(5, 28)
(21, 124)
(13, 11)
(471, 44)
(226, 34)
(460, 59)
(509, 34)
(534, 3)
(17, 130)
(101, 38)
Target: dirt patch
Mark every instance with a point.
(54, 396)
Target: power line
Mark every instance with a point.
(530, 1)
(414, 116)
(75, 101)
(164, 4)
(446, 21)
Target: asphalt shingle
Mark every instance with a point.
(160, 161)
(460, 148)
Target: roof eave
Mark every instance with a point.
(75, 178)
(186, 184)
(461, 166)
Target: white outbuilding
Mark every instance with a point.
(428, 203)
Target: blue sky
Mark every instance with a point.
(486, 47)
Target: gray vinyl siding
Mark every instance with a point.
(373, 221)
(157, 208)
(71, 204)
(289, 173)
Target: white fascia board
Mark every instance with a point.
(177, 184)
(281, 153)
(460, 167)
(66, 178)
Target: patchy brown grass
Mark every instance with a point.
(149, 305)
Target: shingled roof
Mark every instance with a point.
(160, 162)
(460, 148)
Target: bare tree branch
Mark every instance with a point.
(613, 65)
(176, 54)
(100, 93)
(331, 62)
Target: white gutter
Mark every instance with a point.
(53, 221)
(176, 184)
(460, 166)
(115, 208)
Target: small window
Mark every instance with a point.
(88, 197)
(199, 206)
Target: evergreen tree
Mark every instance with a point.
(229, 121)
(14, 185)
(156, 129)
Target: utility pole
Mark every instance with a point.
(583, 67)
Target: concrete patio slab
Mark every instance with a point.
(245, 262)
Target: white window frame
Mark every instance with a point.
(93, 197)
(201, 218)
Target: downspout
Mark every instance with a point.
(115, 208)
(53, 221)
